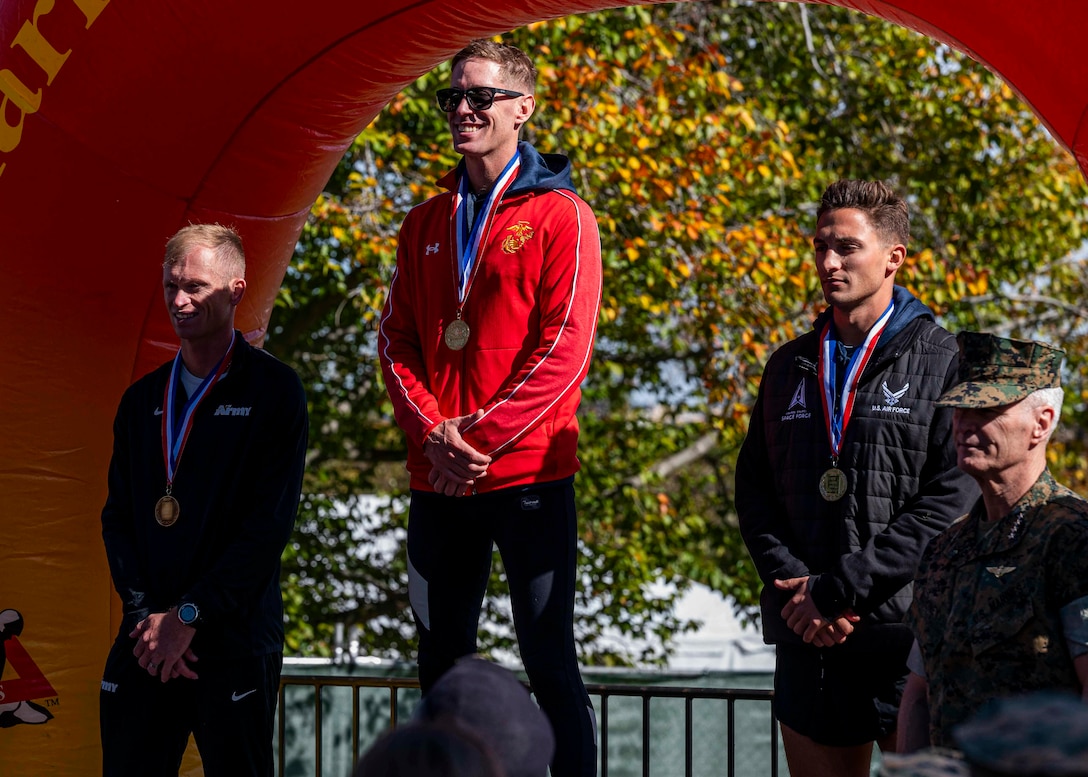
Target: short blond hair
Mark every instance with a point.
(514, 64)
(224, 243)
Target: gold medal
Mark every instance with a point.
(833, 484)
(456, 335)
(167, 510)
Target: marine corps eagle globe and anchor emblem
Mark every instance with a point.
(522, 234)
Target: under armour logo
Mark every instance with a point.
(433, 248)
(893, 397)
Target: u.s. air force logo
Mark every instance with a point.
(892, 400)
(798, 409)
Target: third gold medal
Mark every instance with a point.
(833, 483)
(838, 405)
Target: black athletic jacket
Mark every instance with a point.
(237, 485)
(900, 462)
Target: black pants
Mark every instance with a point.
(449, 555)
(230, 711)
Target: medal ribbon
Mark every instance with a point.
(469, 236)
(175, 430)
(837, 414)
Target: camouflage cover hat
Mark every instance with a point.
(931, 762)
(998, 371)
(1042, 734)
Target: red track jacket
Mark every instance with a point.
(532, 310)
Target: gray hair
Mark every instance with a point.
(1048, 397)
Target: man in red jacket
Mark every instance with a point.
(485, 338)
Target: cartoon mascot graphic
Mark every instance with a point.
(15, 695)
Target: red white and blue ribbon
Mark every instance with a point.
(175, 428)
(837, 414)
(469, 236)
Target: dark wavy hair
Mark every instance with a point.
(887, 211)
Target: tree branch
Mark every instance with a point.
(677, 461)
(1028, 299)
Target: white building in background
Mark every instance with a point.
(722, 643)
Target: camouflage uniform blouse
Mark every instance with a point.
(987, 602)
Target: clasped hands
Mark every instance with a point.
(162, 646)
(455, 465)
(801, 615)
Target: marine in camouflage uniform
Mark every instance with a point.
(1001, 601)
(988, 601)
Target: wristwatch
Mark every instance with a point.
(188, 613)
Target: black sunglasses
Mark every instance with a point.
(480, 98)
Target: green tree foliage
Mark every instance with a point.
(702, 135)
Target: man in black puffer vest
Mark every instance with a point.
(847, 471)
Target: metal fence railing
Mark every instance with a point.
(637, 726)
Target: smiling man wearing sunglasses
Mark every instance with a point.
(486, 336)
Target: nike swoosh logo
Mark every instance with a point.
(239, 696)
(158, 411)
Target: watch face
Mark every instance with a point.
(187, 613)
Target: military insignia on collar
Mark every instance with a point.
(521, 234)
(1016, 526)
(1000, 572)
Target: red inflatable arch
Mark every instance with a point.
(122, 120)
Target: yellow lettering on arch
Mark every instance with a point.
(91, 9)
(15, 94)
(32, 41)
